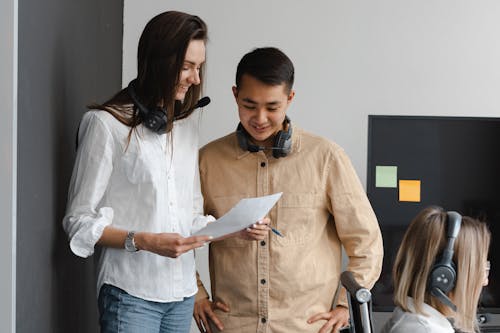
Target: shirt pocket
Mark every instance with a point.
(295, 216)
(222, 205)
(141, 165)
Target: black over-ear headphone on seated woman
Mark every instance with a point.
(443, 274)
(156, 119)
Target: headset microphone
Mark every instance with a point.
(204, 101)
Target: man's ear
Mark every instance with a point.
(290, 97)
(235, 92)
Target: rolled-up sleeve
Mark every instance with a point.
(355, 221)
(85, 221)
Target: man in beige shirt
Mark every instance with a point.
(283, 283)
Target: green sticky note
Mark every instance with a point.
(386, 176)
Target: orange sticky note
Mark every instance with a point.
(409, 190)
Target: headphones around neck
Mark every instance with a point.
(282, 141)
(443, 274)
(156, 119)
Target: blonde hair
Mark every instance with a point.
(422, 244)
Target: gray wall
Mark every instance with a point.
(8, 130)
(69, 55)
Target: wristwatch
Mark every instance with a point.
(129, 242)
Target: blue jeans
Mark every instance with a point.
(120, 312)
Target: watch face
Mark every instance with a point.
(129, 247)
(129, 242)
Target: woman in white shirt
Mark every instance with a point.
(135, 186)
(450, 302)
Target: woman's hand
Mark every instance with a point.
(170, 245)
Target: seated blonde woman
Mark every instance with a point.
(440, 269)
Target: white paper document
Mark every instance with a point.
(242, 215)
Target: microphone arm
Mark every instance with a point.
(204, 101)
(441, 296)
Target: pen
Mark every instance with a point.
(272, 229)
(276, 232)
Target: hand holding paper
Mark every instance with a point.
(256, 232)
(245, 213)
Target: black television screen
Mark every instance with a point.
(418, 161)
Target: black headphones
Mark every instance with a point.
(282, 142)
(156, 119)
(443, 274)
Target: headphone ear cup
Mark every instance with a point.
(283, 141)
(242, 136)
(443, 276)
(156, 120)
(279, 141)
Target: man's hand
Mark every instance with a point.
(204, 310)
(168, 244)
(258, 231)
(335, 319)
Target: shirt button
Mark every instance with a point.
(262, 164)
(263, 320)
(263, 281)
(263, 243)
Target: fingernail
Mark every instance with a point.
(210, 237)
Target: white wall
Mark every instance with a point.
(8, 165)
(352, 59)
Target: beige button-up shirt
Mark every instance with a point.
(275, 285)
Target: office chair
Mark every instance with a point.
(360, 305)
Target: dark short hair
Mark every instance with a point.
(268, 65)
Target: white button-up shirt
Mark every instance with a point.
(148, 184)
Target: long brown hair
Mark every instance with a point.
(160, 57)
(423, 242)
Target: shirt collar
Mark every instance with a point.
(433, 313)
